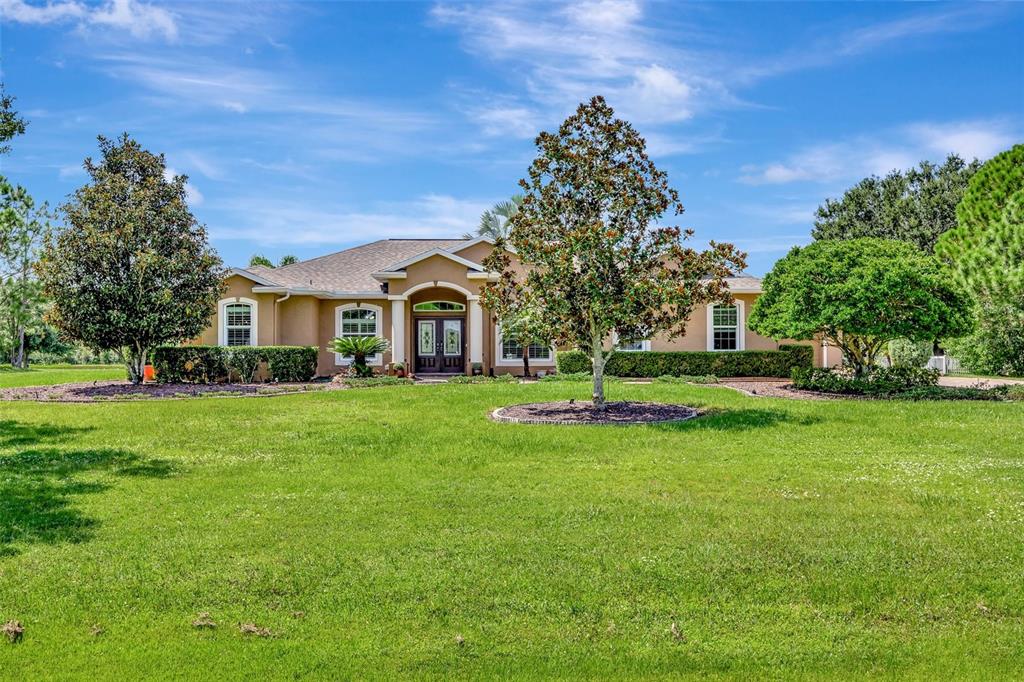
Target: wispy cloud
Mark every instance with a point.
(878, 154)
(270, 222)
(140, 20)
(568, 53)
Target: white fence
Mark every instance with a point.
(945, 364)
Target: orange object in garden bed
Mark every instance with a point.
(148, 373)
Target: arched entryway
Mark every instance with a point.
(439, 342)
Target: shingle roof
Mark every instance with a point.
(349, 270)
(744, 283)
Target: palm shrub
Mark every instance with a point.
(358, 348)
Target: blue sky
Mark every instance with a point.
(308, 127)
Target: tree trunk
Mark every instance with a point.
(526, 362)
(21, 358)
(599, 359)
(136, 363)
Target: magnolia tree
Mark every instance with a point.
(859, 294)
(593, 262)
(132, 269)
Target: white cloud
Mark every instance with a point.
(566, 54)
(888, 150)
(141, 20)
(270, 222)
(71, 172)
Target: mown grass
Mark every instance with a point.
(47, 375)
(371, 531)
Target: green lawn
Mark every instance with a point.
(783, 538)
(46, 375)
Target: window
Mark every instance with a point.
(725, 327)
(362, 320)
(512, 350)
(630, 346)
(237, 322)
(439, 306)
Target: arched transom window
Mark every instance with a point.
(439, 307)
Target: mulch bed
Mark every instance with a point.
(774, 389)
(572, 412)
(121, 390)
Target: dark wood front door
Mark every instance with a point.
(440, 345)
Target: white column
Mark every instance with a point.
(476, 330)
(398, 331)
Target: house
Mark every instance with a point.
(423, 296)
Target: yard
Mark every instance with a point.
(47, 375)
(398, 532)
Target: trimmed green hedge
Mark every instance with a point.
(745, 363)
(216, 364)
(290, 363)
(190, 364)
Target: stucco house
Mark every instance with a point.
(422, 295)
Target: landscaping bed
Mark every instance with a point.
(121, 390)
(572, 412)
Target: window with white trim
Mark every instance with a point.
(237, 318)
(725, 327)
(363, 320)
(513, 350)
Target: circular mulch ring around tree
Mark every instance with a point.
(574, 412)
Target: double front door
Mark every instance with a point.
(439, 345)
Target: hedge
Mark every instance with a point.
(881, 381)
(190, 364)
(744, 363)
(214, 364)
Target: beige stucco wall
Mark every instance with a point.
(240, 287)
(434, 269)
(327, 330)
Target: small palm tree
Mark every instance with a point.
(358, 348)
(494, 221)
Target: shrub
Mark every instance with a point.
(576, 377)
(481, 379)
(752, 363)
(961, 393)
(290, 363)
(190, 364)
(373, 382)
(244, 362)
(907, 353)
(213, 364)
(880, 381)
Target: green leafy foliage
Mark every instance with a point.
(290, 363)
(594, 261)
(750, 363)
(880, 381)
(494, 221)
(359, 348)
(860, 294)
(259, 260)
(24, 227)
(287, 259)
(215, 364)
(687, 379)
(11, 125)
(577, 377)
(986, 251)
(907, 353)
(132, 268)
(915, 206)
(375, 382)
(481, 379)
(191, 364)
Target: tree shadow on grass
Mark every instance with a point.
(38, 484)
(719, 419)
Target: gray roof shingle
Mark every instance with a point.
(350, 270)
